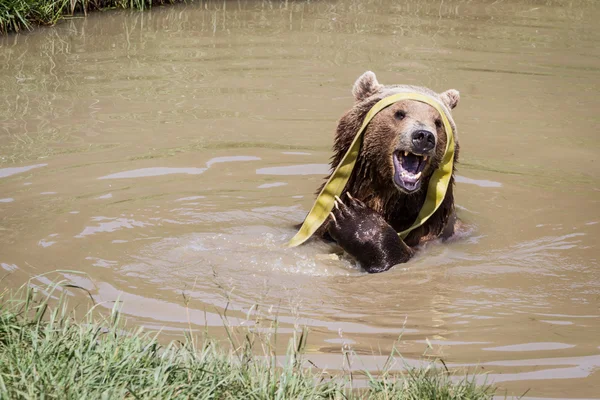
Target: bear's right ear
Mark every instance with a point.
(450, 98)
(365, 86)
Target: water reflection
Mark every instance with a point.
(302, 169)
(532, 347)
(269, 185)
(156, 171)
(107, 224)
(5, 172)
(478, 182)
(217, 160)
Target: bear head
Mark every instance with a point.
(403, 144)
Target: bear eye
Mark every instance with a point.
(438, 123)
(400, 115)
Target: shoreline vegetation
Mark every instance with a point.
(23, 15)
(46, 351)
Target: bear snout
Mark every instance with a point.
(423, 141)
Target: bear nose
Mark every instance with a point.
(423, 141)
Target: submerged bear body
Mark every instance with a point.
(402, 146)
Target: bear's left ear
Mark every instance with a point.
(450, 98)
(365, 86)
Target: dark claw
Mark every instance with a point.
(341, 207)
(332, 215)
(355, 202)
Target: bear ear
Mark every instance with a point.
(365, 86)
(450, 98)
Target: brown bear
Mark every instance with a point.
(402, 146)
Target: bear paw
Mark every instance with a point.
(366, 235)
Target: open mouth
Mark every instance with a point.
(408, 168)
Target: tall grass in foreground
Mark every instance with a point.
(16, 15)
(45, 352)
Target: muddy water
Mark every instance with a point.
(171, 152)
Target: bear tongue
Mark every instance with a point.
(410, 163)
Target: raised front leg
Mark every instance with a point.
(365, 235)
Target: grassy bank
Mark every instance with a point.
(17, 15)
(45, 352)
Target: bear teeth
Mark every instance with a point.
(407, 174)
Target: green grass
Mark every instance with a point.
(48, 352)
(17, 15)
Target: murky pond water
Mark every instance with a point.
(172, 152)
